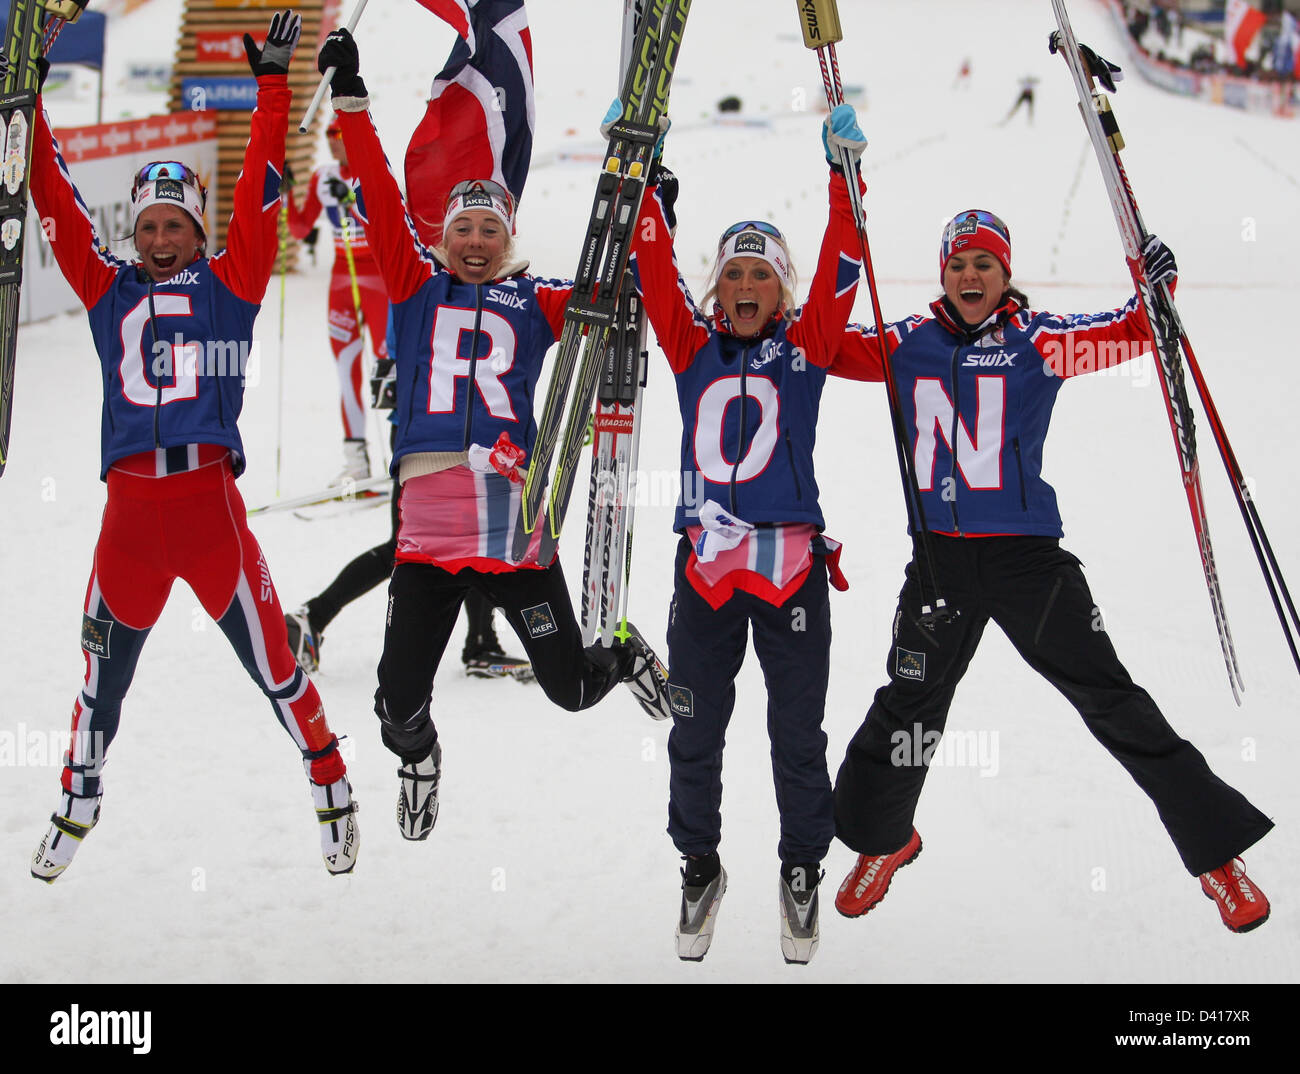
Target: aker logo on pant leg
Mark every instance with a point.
(95, 635)
(909, 665)
(539, 620)
(681, 700)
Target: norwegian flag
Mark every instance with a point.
(1241, 23)
(481, 112)
(1286, 52)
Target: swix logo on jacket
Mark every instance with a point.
(977, 415)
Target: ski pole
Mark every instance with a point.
(1087, 68)
(308, 115)
(820, 21)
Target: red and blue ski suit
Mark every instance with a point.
(172, 357)
(976, 403)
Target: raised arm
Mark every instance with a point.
(403, 262)
(252, 236)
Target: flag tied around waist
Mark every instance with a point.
(481, 112)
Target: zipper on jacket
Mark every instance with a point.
(789, 450)
(473, 364)
(157, 406)
(1020, 471)
(952, 440)
(740, 446)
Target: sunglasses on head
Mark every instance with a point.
(483, 186)
(169, 169)
(980, 218)
(761, 226)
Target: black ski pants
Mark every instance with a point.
(423, 603)
(1035, 591)
(706, 648)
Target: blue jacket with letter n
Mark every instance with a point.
(989, 390)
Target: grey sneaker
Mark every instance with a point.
(417, 800)
(69, 825)
(798, 894)
(699, 911)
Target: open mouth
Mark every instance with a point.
(972, 296)
(164, 261)
(746, 311)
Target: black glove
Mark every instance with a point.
(1159, 262)
(287, 176)
(340, 52)
(668, 189)
(340, 191)
(383, 384)
(281, 39)
(43, 72)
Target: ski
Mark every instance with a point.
(615, 444)
(1087, 68)
(599, 278)
(27, 36)
(370, 487)
(319, 512)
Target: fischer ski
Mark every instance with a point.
(371, 488)
(33, 26)
(1087, 69)
(598, 281)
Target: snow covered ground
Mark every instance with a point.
(1043, 862)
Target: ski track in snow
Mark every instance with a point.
(550, 862)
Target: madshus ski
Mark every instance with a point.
(615, 444)
(592, 311)
(33, 26)
(1087, 68)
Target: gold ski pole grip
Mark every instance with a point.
(820, 20)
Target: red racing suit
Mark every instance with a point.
(172, 449)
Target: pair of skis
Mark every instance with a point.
(33, 26)
(602, 344)
(592, 313)
(1087, 69)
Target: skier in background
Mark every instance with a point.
(994, 536)
(750, 370)
(1026, 98)
(472, 329)
(330, 190)
(171, 451)
(963, 75)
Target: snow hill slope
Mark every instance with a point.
(1042, 862)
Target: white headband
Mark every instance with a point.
(168, 192)
(483, 200)
(756, 244)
